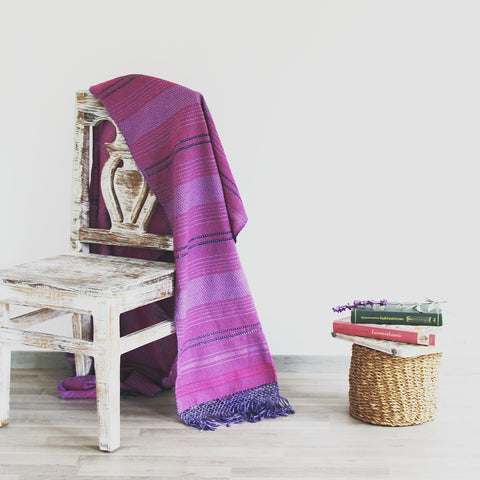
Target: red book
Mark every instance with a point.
(419, 335)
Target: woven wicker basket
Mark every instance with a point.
(388, 390)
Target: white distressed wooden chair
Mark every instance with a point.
(91, 285)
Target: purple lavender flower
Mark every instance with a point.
(358, 303)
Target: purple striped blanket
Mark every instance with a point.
(223, 372)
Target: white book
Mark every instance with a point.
(398, 349)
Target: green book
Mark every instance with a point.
(397, 314)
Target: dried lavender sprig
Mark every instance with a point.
(357, 303)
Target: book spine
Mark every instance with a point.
(364, 330)
(398, 349)
(396, 318)
(365, 342)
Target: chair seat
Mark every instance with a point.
(87, 274)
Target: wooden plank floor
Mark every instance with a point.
(50, 438)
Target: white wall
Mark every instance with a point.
(352, 128)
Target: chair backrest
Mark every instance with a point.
(128, 198)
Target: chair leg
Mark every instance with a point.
(82, 328)
(106, 326)
(5, 357)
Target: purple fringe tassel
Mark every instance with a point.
(250, 405)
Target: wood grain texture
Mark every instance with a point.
(146, 335)
(35, 317)
(53, 343)
(54, 439)
(5, 363)
(107, 371)
(87, 274)
(80, 183)
(133, 239)
(82, 329)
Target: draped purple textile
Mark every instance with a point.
(224, 370)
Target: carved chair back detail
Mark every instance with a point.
(128, 198)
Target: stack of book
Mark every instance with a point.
(403, 330)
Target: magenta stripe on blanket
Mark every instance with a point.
(224, 370)
(222, 382)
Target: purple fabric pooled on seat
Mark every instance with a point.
(224, 370)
